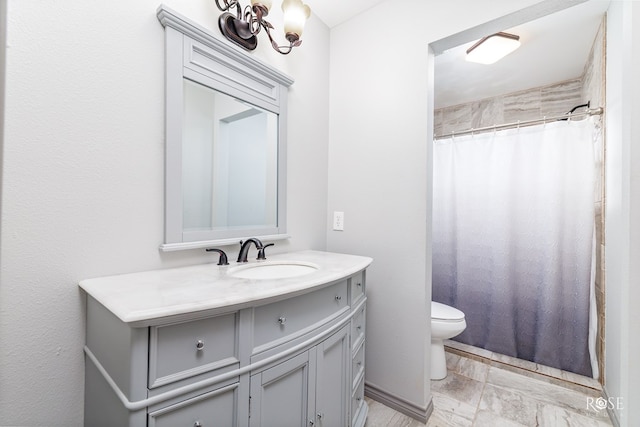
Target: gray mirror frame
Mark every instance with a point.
(192, 52)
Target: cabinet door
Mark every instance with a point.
(283, 396)
(333, 380)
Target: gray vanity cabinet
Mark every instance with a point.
(308, 389)
(285, 361)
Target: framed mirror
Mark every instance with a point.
(225, 177)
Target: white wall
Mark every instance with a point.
(622, 224)
(379, 172)
(82, 189)
(82, 192)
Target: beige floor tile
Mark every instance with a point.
(383, 416)
(472, 369)
(455, 407)
(452, 361)
(460, 388)
(542, 374)
(541, 391)
(401, 420)
(554, 416)
(477, 394)
(489, 419)
(379, 414)
(447, 419)
(505, 404)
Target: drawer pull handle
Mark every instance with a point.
(359, 284)
(358, 399)
(338, 297)
(311, 422)
(359, 327)
(359, 363)
(197, 424)
(282, 320)
(200, 346)
(319, 415)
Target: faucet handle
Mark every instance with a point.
(223, 257)
(261, 254)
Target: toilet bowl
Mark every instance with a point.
(446, 322)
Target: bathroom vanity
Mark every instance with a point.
(268, 343)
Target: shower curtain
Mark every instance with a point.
(513, 240)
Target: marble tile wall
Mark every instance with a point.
(593, 87)
(529, 104)
(547, 101)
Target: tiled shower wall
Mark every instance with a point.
(536, 103)
(528, 104)
(594, 79)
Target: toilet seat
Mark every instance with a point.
(444, 313)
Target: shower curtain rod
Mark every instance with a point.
(568, 116)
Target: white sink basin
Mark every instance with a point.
(272, 270)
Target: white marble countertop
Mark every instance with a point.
(139, 297)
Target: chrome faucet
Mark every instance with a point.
(244, 248)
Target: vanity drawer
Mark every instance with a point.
(357, 366)
(215, 408)
(358, 324)
(275, 323)
(357, 287)
(183, 350)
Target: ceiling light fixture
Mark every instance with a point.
(492, 48)
(243, 27)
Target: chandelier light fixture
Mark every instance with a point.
(242, 27)
(492, 48)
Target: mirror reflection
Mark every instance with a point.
(229, 162)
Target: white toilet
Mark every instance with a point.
(446, 322)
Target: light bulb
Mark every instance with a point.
(295, 15)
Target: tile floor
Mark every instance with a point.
(485, 392)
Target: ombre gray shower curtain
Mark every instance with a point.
(513, 239)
